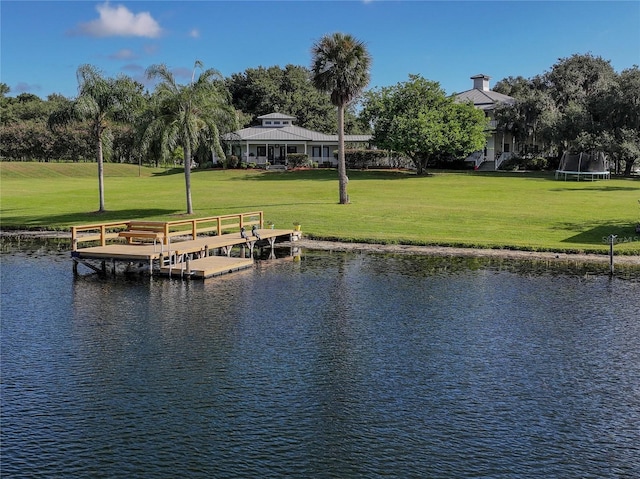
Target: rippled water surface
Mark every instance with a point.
(334, 366)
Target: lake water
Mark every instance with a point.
(329, 366)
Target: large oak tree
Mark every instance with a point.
(417, 119)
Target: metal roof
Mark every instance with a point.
(484, 99)
(289, 133)
(276, 116)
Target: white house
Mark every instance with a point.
(499, 145)
(277, 136)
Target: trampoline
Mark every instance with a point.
(593, 166)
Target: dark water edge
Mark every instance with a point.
(332, 365)
(34, 246)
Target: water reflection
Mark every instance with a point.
(336, 365)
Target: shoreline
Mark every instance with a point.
(627, 260)
(443, 251)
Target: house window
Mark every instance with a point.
(292, 149)
(276, 122)
(285, 122)
(268, 122)
(315, 152)
(262, 151)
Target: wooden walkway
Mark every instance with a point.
(202, 256)
(207, 267)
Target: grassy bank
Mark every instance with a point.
(521, 211)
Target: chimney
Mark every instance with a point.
(481, 82)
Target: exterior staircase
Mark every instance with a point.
(487, 166)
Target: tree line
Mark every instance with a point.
(580, 104)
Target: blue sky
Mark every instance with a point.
(44, 42)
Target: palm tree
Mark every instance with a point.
(100, 101)
(189, 115)
(340, 66)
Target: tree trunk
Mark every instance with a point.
(187, 175)
(100, 172)
(343, 180)
(417, 161)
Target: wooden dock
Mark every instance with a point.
(201, 248)
(207, 267)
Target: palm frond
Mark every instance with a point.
(340, 66)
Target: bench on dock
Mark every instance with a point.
(145, 230)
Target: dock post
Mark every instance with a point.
(612, 239)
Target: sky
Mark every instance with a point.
(42, 43)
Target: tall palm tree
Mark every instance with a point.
(340, 66)
(100, 101)
(189, 115)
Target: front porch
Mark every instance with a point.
(265, 154)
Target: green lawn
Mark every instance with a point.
(524, 211)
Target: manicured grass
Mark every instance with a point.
(523, 211)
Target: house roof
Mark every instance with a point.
(483, 99)
(276, 116)
(288, 133)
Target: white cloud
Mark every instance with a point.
(119, 21)
(124, 54)
(194, 33)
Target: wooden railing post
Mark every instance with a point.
(74, 239)
(103, 232)
(165, 240)
(194, 229)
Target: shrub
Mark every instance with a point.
(296, 160)
(537, 163)
(363, 159)
(232, 162)
(449, 163)
(531, 164)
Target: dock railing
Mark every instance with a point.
(218, 225)
(101, 232)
